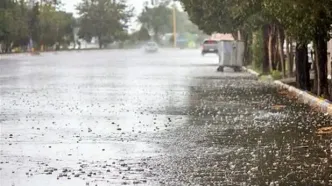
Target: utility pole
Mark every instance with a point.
(174, 25)
(31, 47)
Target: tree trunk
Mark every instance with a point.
(290, 68)
(292, 56)
(275, 58)
(265, 59)
(321, 64)
(235, 35)
(281, 52)
(302, 67)
(156, 35)
(246, 59)
(100, 42)
(270, 49)
(7, 48)
(315, 67)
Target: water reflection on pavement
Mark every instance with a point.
(129, 118)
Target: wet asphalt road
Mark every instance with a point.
(129, 118)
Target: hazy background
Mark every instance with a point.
(61, 27)
(69, 5)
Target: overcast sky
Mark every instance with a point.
(69, 5)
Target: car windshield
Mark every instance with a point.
(151, 44)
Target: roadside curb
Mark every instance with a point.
(252, 72)
(303, 96)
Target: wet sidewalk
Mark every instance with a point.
(161, 119)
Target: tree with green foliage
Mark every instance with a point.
(41, 21)
(143, 34)
(227, 17)
(307, 21)
(302, 21)
(13, 24)
(139, 36)
(157, 19)
(183, 23)
(105, 19)
(56, 26)
(34, 25)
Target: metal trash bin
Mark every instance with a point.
(231, 54)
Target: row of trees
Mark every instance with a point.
(264, 25)
(46, 25)
(41, 22)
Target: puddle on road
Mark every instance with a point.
(103, 162)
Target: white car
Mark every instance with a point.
(151, 47)
(209, 46)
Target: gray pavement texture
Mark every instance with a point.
(130, 118)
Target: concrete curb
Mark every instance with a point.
(303, 96)
(250, 71)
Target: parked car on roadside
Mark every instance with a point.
(151, 47)
(209, 46)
